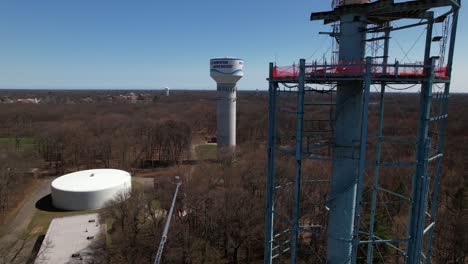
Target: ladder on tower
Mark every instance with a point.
(319, 132)
(437, 124)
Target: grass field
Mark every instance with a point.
(10, 142)
(207, 151)
(41, 220)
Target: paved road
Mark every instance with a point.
(13, 232)
(24, 215)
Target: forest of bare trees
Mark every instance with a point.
(220, 212)
(58, 136)
(219, 217)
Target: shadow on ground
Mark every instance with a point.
(45, 204)
(35, 250)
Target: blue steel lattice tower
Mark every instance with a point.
(339, 156)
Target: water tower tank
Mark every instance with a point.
(89, 189)
(167, 89)
(226, 72)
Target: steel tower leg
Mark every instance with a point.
(378, 148)
(298, 157)
(362, 157)
(441, 140)
(419, 199)
(420, 178)
(346, 153)
(270, 170)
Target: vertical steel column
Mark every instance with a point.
(413, 251)
(435, 195)
(378, 149)
(270, 196)
(430, 28)
(298, 157)
(362, 157)
(346, 151)
(421, 137)
(420, 178)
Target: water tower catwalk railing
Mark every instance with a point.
(302, 151)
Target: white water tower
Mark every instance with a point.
(226, 72)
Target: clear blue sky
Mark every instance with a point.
(147, 44)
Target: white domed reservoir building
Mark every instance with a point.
(89, 189)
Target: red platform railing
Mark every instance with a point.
(357, 69)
